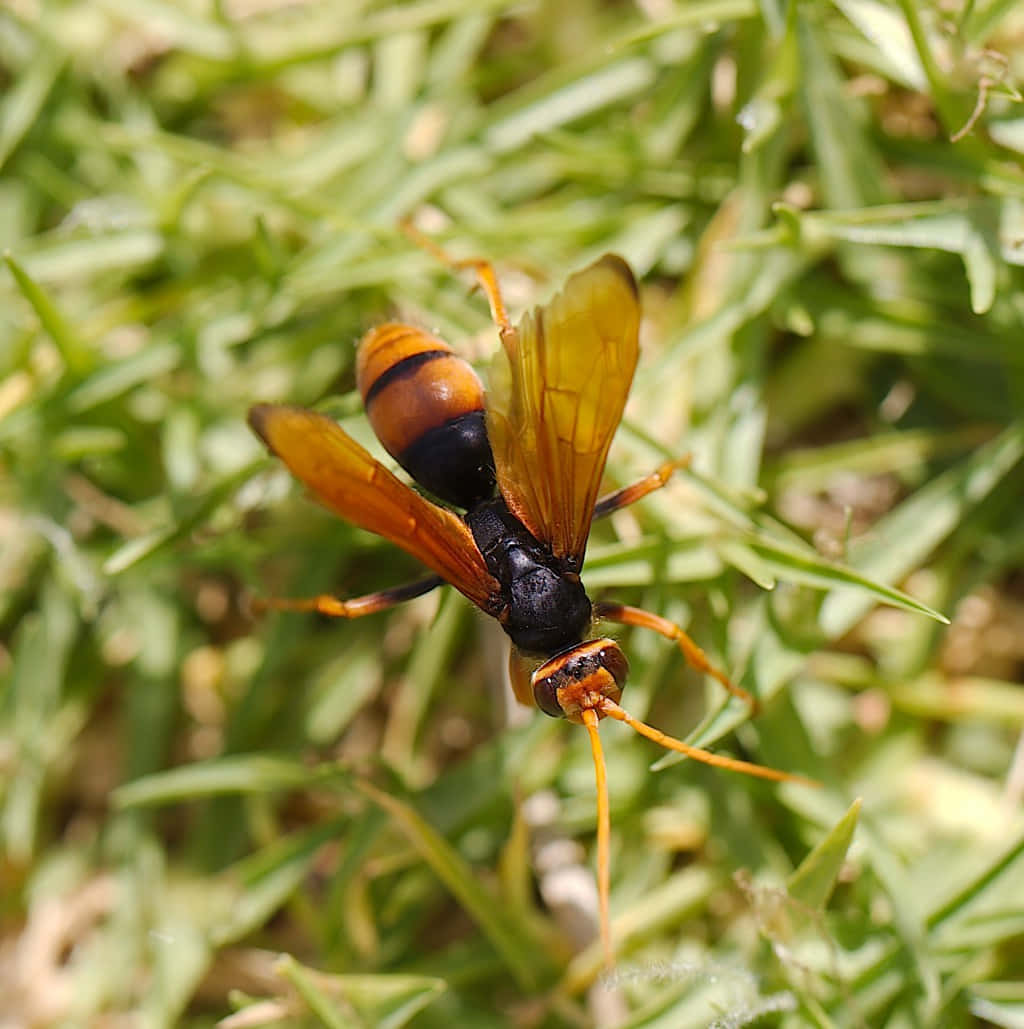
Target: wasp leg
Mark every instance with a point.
(638, 490)
(695, 657)
(483, 269)
(370, 604)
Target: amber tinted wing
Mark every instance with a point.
(360, 489)
(556, 397)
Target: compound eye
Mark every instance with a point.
(615, 662)
(545, 694)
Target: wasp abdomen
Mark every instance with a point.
(426, 406)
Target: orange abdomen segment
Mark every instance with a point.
(426, 406)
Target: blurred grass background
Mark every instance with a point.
(335, 824)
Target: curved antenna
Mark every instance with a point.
(608, 707)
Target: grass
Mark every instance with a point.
(340, 824)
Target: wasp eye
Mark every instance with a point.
(545, 692)
(615, 662)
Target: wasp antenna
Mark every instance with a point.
(608, 707)
(604, 826)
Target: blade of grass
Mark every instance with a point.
(505, 934)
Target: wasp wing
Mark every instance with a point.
(360, 489)
(557, 394)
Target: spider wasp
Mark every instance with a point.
(524, 461)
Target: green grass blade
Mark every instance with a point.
(814, 879)
(505, 935)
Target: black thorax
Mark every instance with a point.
(546, 608)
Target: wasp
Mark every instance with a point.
(523, 461)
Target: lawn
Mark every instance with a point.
(210, 814)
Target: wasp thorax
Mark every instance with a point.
(578, 678)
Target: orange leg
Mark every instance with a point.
(638, 490)
(484, 272)
(370, 604)
(695, 657)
